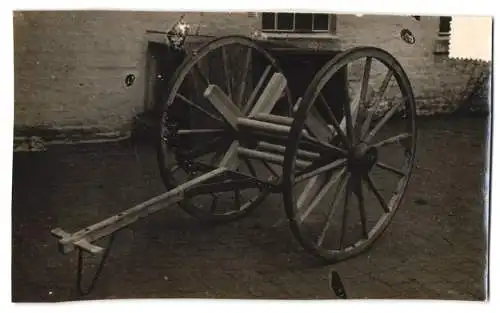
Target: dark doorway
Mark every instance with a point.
(161, 64)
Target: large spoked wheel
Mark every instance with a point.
(345, 200)
(195, 135)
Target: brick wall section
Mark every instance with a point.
(70, 66)
(439, 83)
(384, 32)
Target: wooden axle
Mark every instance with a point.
(269, 157)
(264, 145)
(256, 125)
(263, 126)
(278, 119)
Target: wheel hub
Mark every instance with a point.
(362, 158)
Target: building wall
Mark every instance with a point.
(440, 84)
(384, 32)
(70, 66)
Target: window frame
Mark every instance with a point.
(442, 42)
(331, 30)
(442, 20)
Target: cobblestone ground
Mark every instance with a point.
(433, 249)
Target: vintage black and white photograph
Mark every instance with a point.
(250, 155)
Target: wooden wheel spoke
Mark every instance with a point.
(320, 160)
(199, 108)
(335, 122)
(199, 77)
(361, 207)
(364, 84)
(307, 194)
(328, 110)
(320, 195)
(390, 168)
(383, 121)
(359, 102)
(383, 87)
(391, 140)
(322, 144)
(371, 186)
(366, 124)
(227, 73)
(333, 209)
(375, 102)
(345, 211)
(335, 165)
(243, 81)
(251, 100)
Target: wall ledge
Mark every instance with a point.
(299, 36)
(39, 138)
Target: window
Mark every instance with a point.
(298, 22)
(442, 43)
(444, 26)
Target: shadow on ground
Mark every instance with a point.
(434, 248)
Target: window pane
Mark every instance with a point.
(268, 20)
(285, 21)
(321, 21)
(444, 24)
(303, 22)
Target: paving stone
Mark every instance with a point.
(413, 289)
(369, 288)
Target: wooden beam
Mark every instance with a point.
(230, 159)
(270, 157)
(256, 90)
(270, 95)
(263, 126)
(309, 155)
(83, 238)
(317, 126)
(229, 111)
(278, 119)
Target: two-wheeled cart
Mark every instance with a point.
(232, 134)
